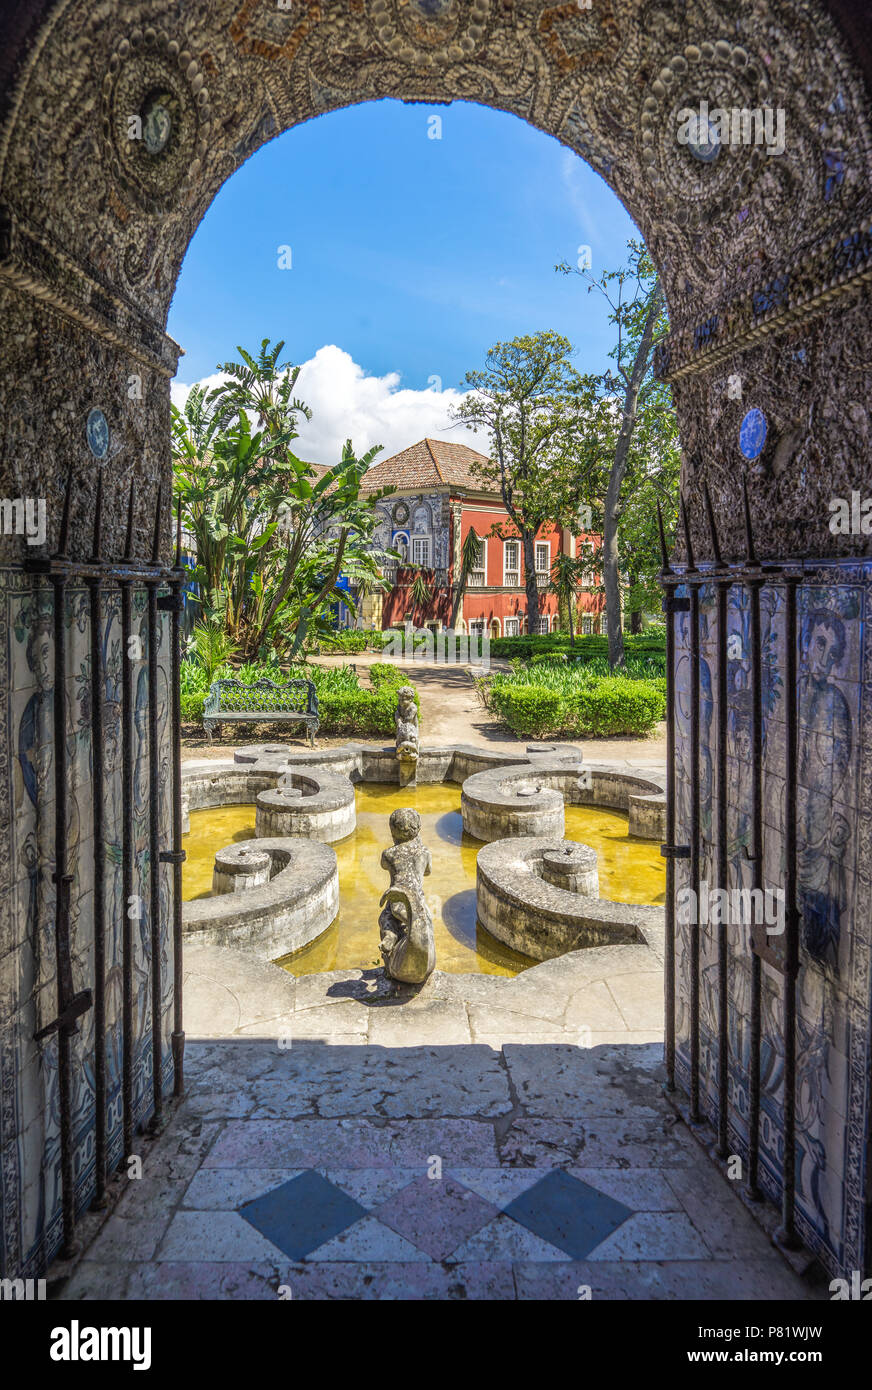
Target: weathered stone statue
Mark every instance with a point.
(407, 943)
(406, 721)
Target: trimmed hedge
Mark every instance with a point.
(585, 648)
(603, 707)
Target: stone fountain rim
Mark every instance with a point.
(308, 867)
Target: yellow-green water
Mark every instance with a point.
(630, 871)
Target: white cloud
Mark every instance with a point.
(348, 403)
(574, 173)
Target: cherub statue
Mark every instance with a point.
(407, 943)
(406, 721)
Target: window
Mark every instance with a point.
(588, 577)
(512, 627)
(586, 626)
(541, 625)
(478, 573)
(421, 550)
(543, 557)
(476, 627)
(512, 564)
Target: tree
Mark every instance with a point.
(625, 395)
(470, 554)
(272, 536)
(531, 401)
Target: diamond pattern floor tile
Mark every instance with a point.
(568, 1213)
(302, 1214)
(437, 1215)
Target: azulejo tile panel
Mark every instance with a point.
(834, 757)
(28, 1071)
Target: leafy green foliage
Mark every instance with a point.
(575, 702)
(271, 534)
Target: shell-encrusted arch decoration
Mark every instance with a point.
(130, 116)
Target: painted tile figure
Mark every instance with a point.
(826, 742)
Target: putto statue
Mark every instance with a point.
(407, 943)
(406, 721)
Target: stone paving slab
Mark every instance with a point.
(438, 1160)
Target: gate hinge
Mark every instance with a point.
(675, 605)
(675, 851)
(172, 856)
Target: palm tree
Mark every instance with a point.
(566, 573)
(420, 593)
(470, 556)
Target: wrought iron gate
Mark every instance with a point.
(782, 951)
(163, 590)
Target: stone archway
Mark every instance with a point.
(765, 262)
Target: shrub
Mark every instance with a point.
(192, 706)
(359, 711)
(346, 641)
(385, 673)
(529, 710)
(585, 649)
(574, 701)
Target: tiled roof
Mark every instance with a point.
(431, 463)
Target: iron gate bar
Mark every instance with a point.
(787, 1235)
(127, 832)
(98, 677)
(666, 576)
(754, 581)
(154, 827)
(723, 584)
(173, 602)
(70, 1005)
(694, 819)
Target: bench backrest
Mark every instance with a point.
(231, 697)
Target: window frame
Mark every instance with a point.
(482, 569)
(506, 570)
(418, 540)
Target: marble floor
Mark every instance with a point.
(484, 1138)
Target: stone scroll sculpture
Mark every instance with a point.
(407, 944)
(406, 721)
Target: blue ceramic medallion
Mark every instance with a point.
(97, 431)
(703, 139)
(752, 434)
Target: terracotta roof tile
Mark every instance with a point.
(431, 463)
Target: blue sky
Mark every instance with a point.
(410, 256)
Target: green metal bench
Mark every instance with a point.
(263, 701)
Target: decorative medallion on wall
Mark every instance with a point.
(97, 433)
(155, 117)
(752, 434)
(694, 159)
(401, 513)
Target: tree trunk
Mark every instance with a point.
(635, 621)
(531, 584)
(611, 573)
